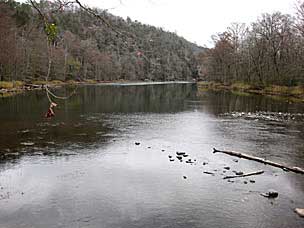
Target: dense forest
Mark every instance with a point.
(268, 51)
(85, 48)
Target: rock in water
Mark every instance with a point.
(238, 173)
(137, 143)
(208, 173)
(271, 194)
(300, 211)
(180, 153)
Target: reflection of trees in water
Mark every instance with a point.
(76, 123)
(271, 136)
(130, 99)
(219, 102)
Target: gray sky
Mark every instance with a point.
(195, 20)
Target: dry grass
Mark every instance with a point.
(71, 82)
(11, 84)
(6, 85)
(240, 86)
(56, 82)
(90, 81)
(39, 82)
(275, 89)
(283, 91)
(297, 91)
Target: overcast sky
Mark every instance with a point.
(196, 20)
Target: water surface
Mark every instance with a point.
(83, 168)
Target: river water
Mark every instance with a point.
(83, 168)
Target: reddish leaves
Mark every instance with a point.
(50, 113)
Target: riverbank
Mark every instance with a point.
(8, 89)
(294, 92)
(11, 88)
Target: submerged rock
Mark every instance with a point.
(185, 177)
(137, 143)
(227, 167)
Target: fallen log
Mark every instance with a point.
(261, 160)
(300, 211)
(245, 174)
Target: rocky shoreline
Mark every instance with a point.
(294, 93)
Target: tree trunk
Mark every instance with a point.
(261, 160)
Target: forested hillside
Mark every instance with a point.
(84, 48)
(268, 51)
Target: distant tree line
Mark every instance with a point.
(84, 48)
(269, 51)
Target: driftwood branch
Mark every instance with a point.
(261, 160)
(245, 174)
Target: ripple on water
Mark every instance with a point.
(267, 116)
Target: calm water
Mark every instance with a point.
(83, 169)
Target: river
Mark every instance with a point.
(103, 160)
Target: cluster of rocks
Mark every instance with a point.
(182, 156)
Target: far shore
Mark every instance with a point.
(11, 88)
(295, 93)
